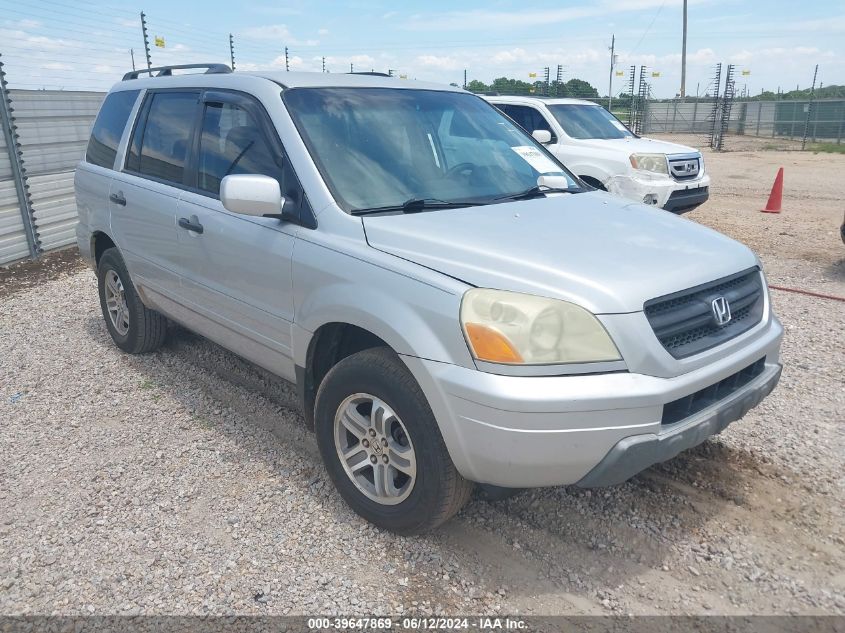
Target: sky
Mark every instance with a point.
(80, 44)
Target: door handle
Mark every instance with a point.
(185, 223)
(118, 198)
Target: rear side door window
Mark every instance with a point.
(108, 128)
(161, 141)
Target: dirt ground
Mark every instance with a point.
(183, 482)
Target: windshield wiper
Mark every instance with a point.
(414, 205)
(533, 192)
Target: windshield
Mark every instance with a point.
(381, 147)
(588, 121)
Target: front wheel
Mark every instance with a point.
(382, 446)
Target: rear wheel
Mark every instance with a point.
(382, 446)
(133, 327)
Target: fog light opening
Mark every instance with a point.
(650, 198)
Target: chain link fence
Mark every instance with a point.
(824, 120)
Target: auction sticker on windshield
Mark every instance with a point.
(539, 161)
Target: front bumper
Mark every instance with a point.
(637, 452)
(673, 195)
(593, 429)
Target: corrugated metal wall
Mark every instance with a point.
(754, 118)
(53, 127)
(13, 242)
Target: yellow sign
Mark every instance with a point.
(656, 74)
(620, 73)
(159, 41)
(532, 75)
(745, 73)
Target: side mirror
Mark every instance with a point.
(542, 136)
(553, 181)
(252, 194)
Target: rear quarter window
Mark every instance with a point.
(108, 128)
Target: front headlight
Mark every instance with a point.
(650, 162)
(518, 329)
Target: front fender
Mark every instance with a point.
(413, 316)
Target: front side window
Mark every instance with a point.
(528, 118)
(232, 142)
(381, 147)
(108, 128)
(588, 121)
(160, 146)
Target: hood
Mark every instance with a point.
(639, 145)
(593, 249)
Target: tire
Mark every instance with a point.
(492, 494)
(141, 330)
(370, 383)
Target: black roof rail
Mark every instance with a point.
(372, 73)
(167, 71)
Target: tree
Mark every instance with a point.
(477, 86)
(580, 88)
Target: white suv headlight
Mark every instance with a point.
(650, 162)
(519, 329)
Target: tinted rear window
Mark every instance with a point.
(108, 128)
(165, 136)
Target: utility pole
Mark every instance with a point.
(146, 39)
(465, 78)
(132, 53)
(324, 64)
(232, 50)
(610, 81)
(684, 56)
(287, 60)
(351, 68)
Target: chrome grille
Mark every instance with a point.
(685, 324)
(684, 167)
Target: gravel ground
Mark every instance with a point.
(183, 481)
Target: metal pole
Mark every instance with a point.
(10, 135)
(146, 39)
(810, 108)
(232, 50)
(684, 56)
(351, 68)
(610, 81)
(465, 78)
(324, 64)
(132, 53)
(287, 60)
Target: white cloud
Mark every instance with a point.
(442, 63)
(322, 32)
(267, 32)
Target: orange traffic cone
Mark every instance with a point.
(776, 196)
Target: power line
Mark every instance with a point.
(662, 4)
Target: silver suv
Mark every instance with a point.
(454, 306)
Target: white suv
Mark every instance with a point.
(607, 155)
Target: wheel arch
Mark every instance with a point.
(100, 243)
(329, 344)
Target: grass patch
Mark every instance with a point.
(830, 148)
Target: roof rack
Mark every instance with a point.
(167, 71)
(371, 73)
